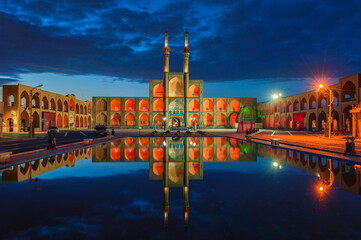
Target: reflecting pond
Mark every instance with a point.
(210, 187)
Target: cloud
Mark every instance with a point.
(229, 41)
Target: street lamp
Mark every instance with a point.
(330, 94)
(275, 96)
(164, 122)
(31, 133)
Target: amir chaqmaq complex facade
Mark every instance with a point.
(174, 101)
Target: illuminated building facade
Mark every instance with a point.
(23, 103)
(309, 110)
(174, 101)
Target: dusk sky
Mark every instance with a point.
(241, 48)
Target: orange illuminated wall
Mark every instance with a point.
(115, 153)
(193, 105)
(207, 105)
(193, 153)
(144, 105)
(115, 105)
(158, 153)
(158, 91)
(194, 91)
(158, 105)
(193, 168)
(130, 105)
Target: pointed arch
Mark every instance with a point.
(44, 103)
(77, 108)
(221, 105)
(144, 105)
(143, 120)
(101, 119)
(130, 105)
(207, 120)
(101, 105)
(193, 91)
(65, 106)
(115, 120)
(129, 119)
(59, 120)
(312, 102)
(24, 99)
(77, 121)
(60, 106)
(81, 121)
(303, 104)
(158, 119)
(221, 119)
(235, 105)
(348, 92)
(176, 87)
(115, 105)
(194, 118)
(158, 105)
(71, 105)
(208, 105)
(158, 91)
(193, 105)
(36, 120)
(66, 121)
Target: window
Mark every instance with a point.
(11, 101)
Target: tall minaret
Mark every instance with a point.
(165, 75)
(186, 54)
(186, 76)
(166, 53)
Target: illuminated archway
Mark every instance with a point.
(207, 105)
(76, 121)
(233, 119)
(193, 105)
(59, 120)
(143, 120)
(158, 119)
(144, 106)
(207, 120)
(221, 105)
(115, 120)
(66, 121)
(129, 119)
(115, 105)
(176, 87)
(235, 105)
(193, 91)
(158, 105)
(221, 120)
(158, 91)
(130, 105)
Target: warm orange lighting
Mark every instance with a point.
(321, 188)
(320, 85)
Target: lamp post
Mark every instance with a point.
(330, 95)
(31, 133)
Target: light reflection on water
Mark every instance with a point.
(233, 174)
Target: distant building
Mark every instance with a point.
(23, 104)
(309, 110)
(174, 101)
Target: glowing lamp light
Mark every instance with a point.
(280, 166)
(164, 143)
(320, 85)
(321, 189)
(275, 164)
(275, 96)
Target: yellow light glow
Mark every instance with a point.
(275, 164)
(275, 96)
(320, 85)
(321, 188)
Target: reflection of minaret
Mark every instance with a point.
(186, 75)
(166, 185)
(185, 185)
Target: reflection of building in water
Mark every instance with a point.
(32, 169)
(208, 149)
(175, 160)
(345, 174)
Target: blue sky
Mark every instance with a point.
(248, 48)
